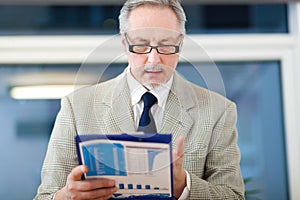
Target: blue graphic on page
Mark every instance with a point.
(106, 159)
(151, 157)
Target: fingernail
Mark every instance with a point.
(112, 182)
(84, 168)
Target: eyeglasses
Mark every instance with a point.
(145, 49)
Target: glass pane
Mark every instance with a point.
(39, 20)
(25, 129)
(237, 18)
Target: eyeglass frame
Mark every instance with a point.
(131, 46)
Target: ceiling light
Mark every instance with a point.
(42, 91)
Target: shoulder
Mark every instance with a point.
(198, 95)
(101, 89)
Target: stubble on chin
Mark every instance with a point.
(143, 76)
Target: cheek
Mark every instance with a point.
(135, 60)
(171, 61)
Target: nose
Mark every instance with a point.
(154, 57)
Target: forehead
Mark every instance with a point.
(153, 35)
(149, 16)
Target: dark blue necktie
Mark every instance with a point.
(147, 123)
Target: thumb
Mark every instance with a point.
(77, 172)
(180, 146)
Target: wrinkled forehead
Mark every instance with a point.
(154, 35)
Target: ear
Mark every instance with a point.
(181, 44)
(123, 42)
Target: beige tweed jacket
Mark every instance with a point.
(206, 119)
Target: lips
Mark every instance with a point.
(153, 71)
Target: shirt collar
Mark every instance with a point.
(137, 90)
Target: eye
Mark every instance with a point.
(140, 48)
(167, 49)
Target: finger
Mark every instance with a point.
(109, 193)
(103, 193)
(77, 173)
(180, 146)
(94, 184)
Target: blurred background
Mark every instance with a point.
(254, 44)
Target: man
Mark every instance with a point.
(203, 124)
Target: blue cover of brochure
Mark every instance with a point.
(140, 165)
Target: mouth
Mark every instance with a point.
(153, 71)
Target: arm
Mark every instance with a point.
(60, 174)
(61, 153)
(222, 177)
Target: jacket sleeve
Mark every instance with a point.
(222, 176)
(61, 155)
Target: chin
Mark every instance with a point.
(151, 85)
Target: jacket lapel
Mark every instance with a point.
(118, 117)
(122, 113)
(177, 120)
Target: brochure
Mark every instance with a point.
(141, 164)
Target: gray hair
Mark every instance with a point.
(129, 5)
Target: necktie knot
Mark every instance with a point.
(149, 99)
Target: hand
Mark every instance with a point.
(85, 189)
(179, 174)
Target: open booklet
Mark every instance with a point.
(141, 164)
